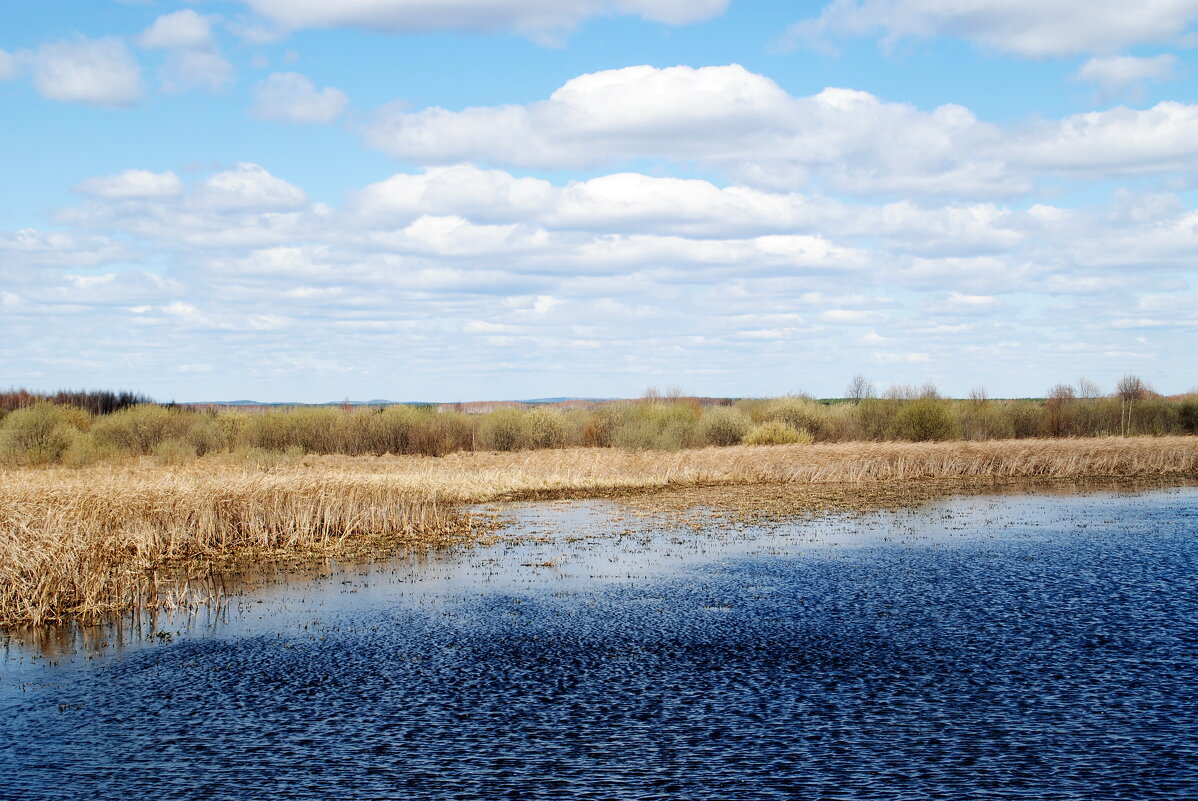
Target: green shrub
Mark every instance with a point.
(86, 450)
(798, 412)
(438, 433)
(776, 432)
(1187, 415)
(205, 434)
(656, 426)
(40, 434)
(723, 425)
(174, 451)
(546, 427)
(924, 420)
(138, 429)
(503, 430)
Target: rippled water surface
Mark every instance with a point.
(1023, 647)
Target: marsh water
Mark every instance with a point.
(1032, 646)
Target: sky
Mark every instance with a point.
(444, 200)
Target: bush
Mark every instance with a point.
(138, 429)
(723, 425)
(1187, 415)
(40, 434)
(778, 433)
(656, 426)
(503, 430)
(546, 428)
(439, 433)
(86, 450)
(924, 420)
(205, 434)
(174, 451)
(798, 412)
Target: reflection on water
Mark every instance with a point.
(1024, 646)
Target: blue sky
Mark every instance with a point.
(468, 199)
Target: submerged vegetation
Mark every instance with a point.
(67, 429)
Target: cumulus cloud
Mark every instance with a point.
(132, 184)
(194, 60)
(291, 97)
(1029, 28)
(749, 128)
(97, 72)
(542, 20)
(725, 117)
(182, 29)
(8, 67)
(709, 275)
(1116, 75)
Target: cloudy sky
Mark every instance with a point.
(467, 199)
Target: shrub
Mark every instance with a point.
(923, 420)
(503, 430)
(1187, 415)
(174, 451)
(546, 427)
(656, 426)
(439, 433)
(138, 429)
(205, 434)
(723, 425)
(40, 434)
(778, 433)
(797, 411)
(86, 450)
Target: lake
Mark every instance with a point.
(1024, 646)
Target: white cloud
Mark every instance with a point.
(1030, 28)
(8, 67)
(542, 20)
(181, 30)
(1116, 75)
(132, 184)
(98, 72)
(291, 97)
(620, 264)
(725, 117)
(248, 187)
(745, 126)
(1118, 141)
(194, 60)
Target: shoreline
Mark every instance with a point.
(80, 543)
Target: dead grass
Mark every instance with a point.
(81, 542)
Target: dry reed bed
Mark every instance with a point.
(83, 542)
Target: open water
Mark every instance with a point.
(1020, 647)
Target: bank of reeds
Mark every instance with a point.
(79, 542)
(84, 542)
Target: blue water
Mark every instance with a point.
(1025, 647)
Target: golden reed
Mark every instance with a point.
(89, 541)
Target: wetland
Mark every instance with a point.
(1033, 643)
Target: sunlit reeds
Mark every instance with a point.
(84, 541)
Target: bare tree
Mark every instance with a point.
(1130, 390)
(1087, 389)
(978, 396)
(1057, 421)
(929, 391)
(859, 389)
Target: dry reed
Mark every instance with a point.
(83, 542)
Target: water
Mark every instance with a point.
(1026, 647)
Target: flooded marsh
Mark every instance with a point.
(1030, 645)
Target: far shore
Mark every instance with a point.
(79, 543)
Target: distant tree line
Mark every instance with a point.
(79, 428)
